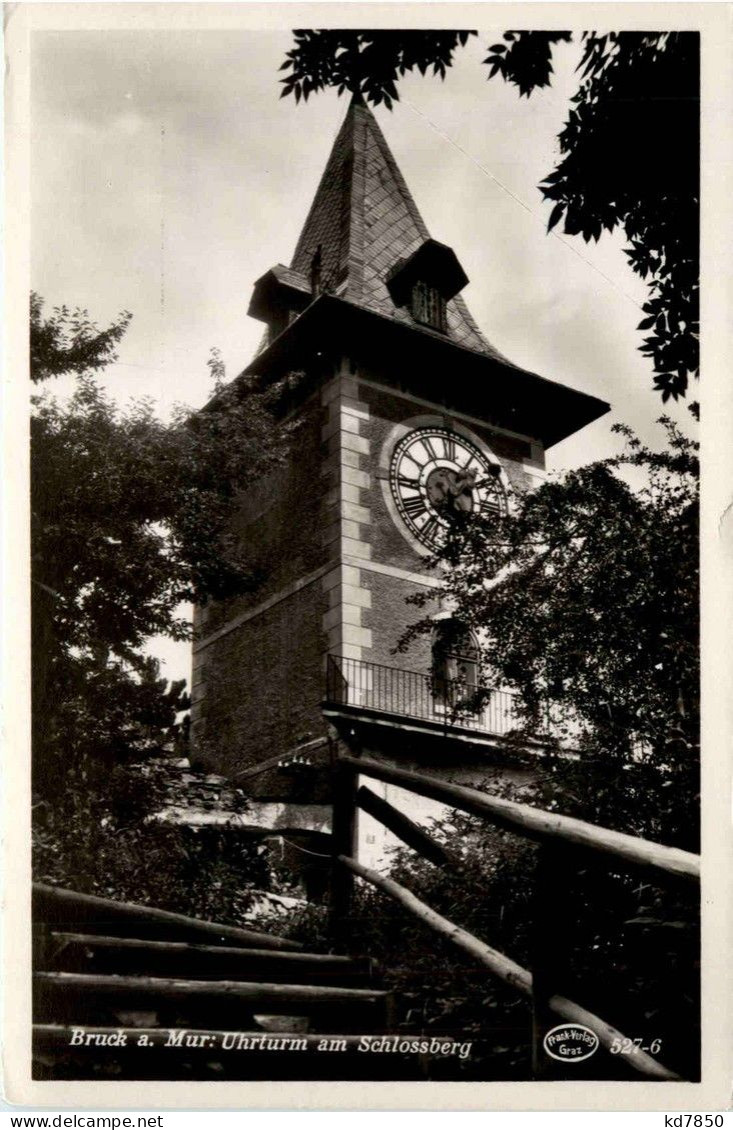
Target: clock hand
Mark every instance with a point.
(493, 475)
(461, 482)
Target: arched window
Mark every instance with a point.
(455, 663)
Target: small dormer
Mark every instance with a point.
(278, 297)
(426, 281)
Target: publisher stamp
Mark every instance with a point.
(570, 1043)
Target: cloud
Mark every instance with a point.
(128, 123)
(562, 306)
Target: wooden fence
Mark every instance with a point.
(561, 838)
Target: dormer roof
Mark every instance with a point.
(280, 288)
(433, 263)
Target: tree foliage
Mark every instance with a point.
(586, 596)
(629, 148)
(130, 519)
(630, 158)
(366, 63)
(69, 342)
(95, 835)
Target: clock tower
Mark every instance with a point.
(402, 412)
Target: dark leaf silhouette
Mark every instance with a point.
(130, 517)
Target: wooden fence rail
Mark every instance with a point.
(55, 906)
(509, 971)
(560, 837)
(537, 824)
(406, 830)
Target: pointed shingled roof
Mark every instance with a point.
(365, 220)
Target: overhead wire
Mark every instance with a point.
(527, 207)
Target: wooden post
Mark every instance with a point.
(344, 843)
(548, 948)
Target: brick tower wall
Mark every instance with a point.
(258, 661)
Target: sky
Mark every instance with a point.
(168, 175)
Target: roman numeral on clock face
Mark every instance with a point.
(414, 507)
(430, 528)
(427, 444)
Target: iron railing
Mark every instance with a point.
(415, 694)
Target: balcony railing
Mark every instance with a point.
(416, 695)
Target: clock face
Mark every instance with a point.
(436, 474)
